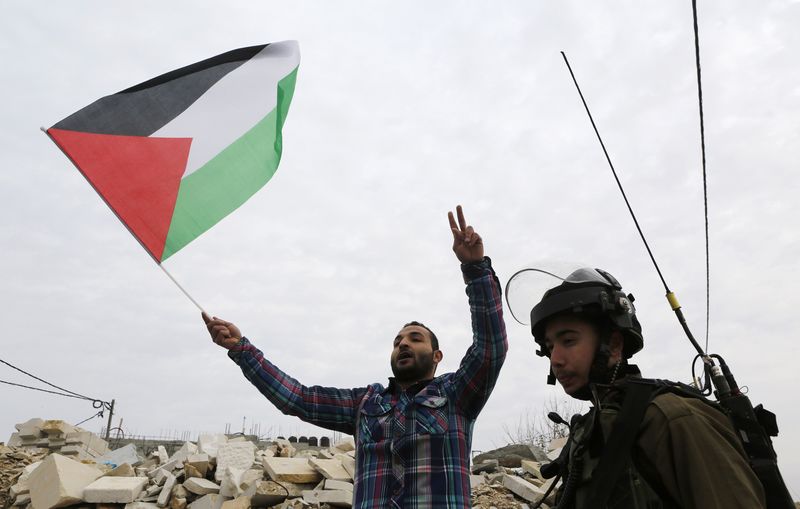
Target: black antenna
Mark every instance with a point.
(703, 152)
(671, 298)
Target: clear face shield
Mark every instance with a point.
(528, 286)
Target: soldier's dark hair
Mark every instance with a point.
(434, 339)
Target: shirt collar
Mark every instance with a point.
(394, 386)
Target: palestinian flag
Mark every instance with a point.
(174, 155)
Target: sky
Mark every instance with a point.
(401, 112)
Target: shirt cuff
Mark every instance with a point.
(236, 353)
(475, 270)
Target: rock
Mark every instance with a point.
(241, 502)
(512, 455)
(333, 484)
(533, 468)
(485, 466)
(210, 443)
(210, 501)
(124, 470)
(335, 498)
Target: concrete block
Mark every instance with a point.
(210, 443)
(124, 470)
(59, 481)
(557, 443)
(333, 484)
(523, 488)
(210, 501)
(114, 490)
(268, 493)
(200, 486)
(26, 472)
(285, 448)
(348, 464)
(554, 454)
(56, 428)
(141, 505)
(485, 466)
(335, 498)
(295, 470)
(30, 428)
(126, 454)
(166, 491)
(241, 502)
(22, 500)
(14, 440)
(186, 450)
(330, 469)
(161, 452)
(229, 483)
(199, 461)
(238, 455)
(21, 488)
(345, 445)
(476, 480)
(533, 468)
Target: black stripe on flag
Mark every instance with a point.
(143, 109)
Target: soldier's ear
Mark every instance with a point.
(615, 345)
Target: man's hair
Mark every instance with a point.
(434, 339)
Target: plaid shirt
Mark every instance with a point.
(412, 446)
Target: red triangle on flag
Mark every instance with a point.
(137, 176)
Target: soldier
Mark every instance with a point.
(643, 444)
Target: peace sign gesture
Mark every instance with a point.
(467, 244)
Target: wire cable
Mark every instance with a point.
(45, 390)
(703, 153)
(46, 382)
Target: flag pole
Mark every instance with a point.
(182, 289)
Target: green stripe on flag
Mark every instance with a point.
(224, 183)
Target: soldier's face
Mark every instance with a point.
(572, 343)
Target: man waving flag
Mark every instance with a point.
(174, 155)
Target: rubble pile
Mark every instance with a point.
(50, 464)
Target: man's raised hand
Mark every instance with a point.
(223, 333)
(467, 244)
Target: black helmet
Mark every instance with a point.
(593, 291)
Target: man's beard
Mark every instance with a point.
(415, 371)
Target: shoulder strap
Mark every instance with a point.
(617, 449)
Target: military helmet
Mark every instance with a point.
(592, 291)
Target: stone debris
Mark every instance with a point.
(51, 464)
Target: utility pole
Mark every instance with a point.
(110, 414)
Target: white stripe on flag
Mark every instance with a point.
(233, 105)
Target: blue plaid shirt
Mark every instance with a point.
(412, 446)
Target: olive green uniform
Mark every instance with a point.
(686, 455)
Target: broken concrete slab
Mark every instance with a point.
(335, 498)
(334, 484)
(348, 464)
(200, 486)
(237, 455)
(512, 455)
(241, 502)
(141, 505)
(210, 501)
(295, 470)
(476, 480)
(533, 468)
(126, 454)
(59, 481)
(209, 443)
(166, 491)
(199, 461)
(186, 450)
(523, 488)
(330, 469)
(485, 466)
(114, 490)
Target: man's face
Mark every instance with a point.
(413, 358)
(572, 343)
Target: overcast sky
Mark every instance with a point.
(402, 111)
